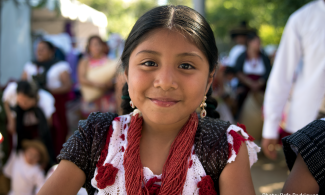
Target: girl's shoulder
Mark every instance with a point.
(217, 143)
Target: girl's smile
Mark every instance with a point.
(164, 102)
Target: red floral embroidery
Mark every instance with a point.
(117, 119)
(250, 138)
(122, 148)
(105, 149)
(106, 176)
(206, 186)
(237, 139)
(193, 152)
(124, 126)
(122, 137)
(152, 188)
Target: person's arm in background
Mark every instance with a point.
(300, 180)
(279, 84)
(66, 84)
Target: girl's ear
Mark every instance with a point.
(210, 80)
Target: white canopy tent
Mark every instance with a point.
(19, 21)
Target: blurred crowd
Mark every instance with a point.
(36, 108)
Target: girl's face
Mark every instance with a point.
(95, 47)
(25, 102)
(168, 77)
(43, 52)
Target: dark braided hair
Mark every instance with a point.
(125, 105)
(187, 21)
(212, 104)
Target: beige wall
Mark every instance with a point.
(51, 23)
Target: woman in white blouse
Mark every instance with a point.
(54, 76)
(253, 68)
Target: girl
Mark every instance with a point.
(24, 169)
(253, 69)
(162, 147)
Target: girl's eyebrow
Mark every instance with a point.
(179, 55)
(149, 51)
(189, 54)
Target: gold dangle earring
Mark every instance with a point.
(203, 104)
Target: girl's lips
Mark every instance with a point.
(164, 102)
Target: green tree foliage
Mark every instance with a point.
(188, 3)
(267, 16)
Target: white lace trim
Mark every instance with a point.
(115, 157)
(252, 148)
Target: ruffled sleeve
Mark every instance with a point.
(84, 147)
(236, 135)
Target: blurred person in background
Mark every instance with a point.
(25, 168)
(239, 36)
(29, 112)
(95, 58)
(302, 40)
(52, 75)
(252, 69)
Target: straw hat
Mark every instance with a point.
(40, 147)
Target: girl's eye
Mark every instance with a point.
(150, 63)
(186, 66)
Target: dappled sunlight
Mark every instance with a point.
(271, 187)
(268, 167)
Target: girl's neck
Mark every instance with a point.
(165, 133)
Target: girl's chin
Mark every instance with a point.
(165, 118)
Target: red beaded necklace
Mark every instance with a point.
(176, 165)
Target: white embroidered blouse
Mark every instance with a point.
(118, 144)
